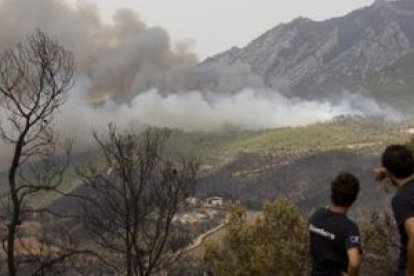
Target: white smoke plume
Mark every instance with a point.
(198, 111)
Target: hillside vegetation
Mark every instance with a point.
(276, 243)
(216, 148)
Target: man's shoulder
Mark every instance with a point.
(317, 214)
(351, 225)
(402, 195)
(403, 204)
(323, 216)
(407, 189)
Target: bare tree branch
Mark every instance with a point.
(35, 78)
(136, 196)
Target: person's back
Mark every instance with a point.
(331, 235)
(334, 238)
(398, 167)
(403, 208)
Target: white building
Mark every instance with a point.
(215, 201)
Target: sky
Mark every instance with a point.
(217, 25)
(212, 26)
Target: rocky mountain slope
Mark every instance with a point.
(311, 59)
(393, 84)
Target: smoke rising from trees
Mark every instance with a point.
(200, 111)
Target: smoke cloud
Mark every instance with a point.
(134, 75)
(120, 59)
(201, 111)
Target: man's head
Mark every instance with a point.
(398, 161)
(344, 190)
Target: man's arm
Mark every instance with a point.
(409, 228)
(355, 259)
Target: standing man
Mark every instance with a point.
(398, 168)
(334, 239)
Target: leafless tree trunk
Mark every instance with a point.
(134, 199)
(35, 77)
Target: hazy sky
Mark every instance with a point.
(216, 25)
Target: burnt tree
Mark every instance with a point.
(35, 78)
(134, 196)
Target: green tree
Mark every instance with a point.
(275, 244)
(410, 144)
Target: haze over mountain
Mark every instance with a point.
(314, 59)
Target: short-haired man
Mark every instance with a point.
(398, 167)
(334, 239)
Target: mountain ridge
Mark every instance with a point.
(309, 58)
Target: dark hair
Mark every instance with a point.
(398, 160)
(344, 189)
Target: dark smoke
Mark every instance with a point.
(121, 59)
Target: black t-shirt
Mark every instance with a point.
(403, 208)
(331, 236)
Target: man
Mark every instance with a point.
(398, 168)
(334, 239)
